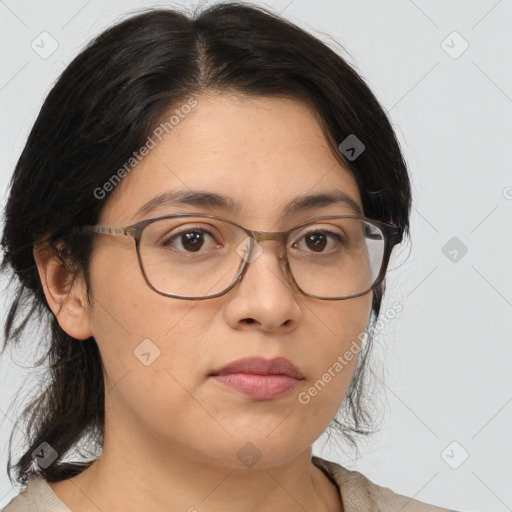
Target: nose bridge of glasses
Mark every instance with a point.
(276, 236)
(261, 236)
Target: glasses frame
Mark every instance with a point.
(393, 235)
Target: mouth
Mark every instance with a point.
(259, 378)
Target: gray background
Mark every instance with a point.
(444, 360)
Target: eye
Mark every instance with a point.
(190, 239)
(319, 241)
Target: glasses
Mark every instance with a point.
(199, 256)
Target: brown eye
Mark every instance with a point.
(316, 241)
(190, 240)
(319, 241)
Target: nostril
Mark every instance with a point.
(249, 320)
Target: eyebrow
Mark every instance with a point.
(205, 199)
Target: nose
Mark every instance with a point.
(265, 298)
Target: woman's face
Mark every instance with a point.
(159, 353)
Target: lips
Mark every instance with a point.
(262, 366)
(259, 379)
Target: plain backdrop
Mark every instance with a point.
(442, 69)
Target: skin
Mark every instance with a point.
(172, 434)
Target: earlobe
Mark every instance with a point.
(66, 296)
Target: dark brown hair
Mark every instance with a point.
(102, 108)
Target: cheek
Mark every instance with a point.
(153, 349)
(335, 325)
(155, 346)
(339, 329)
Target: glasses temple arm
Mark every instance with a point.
(105, 230)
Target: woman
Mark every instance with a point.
(203, 214)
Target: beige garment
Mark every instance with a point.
(358, 494)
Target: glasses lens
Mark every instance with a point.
(191, 256)
(336, 257)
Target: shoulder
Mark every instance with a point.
(36, 497)
(360, 494)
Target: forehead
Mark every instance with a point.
(262, 152)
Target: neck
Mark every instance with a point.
(125, 480)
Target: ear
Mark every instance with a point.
(65, 296)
